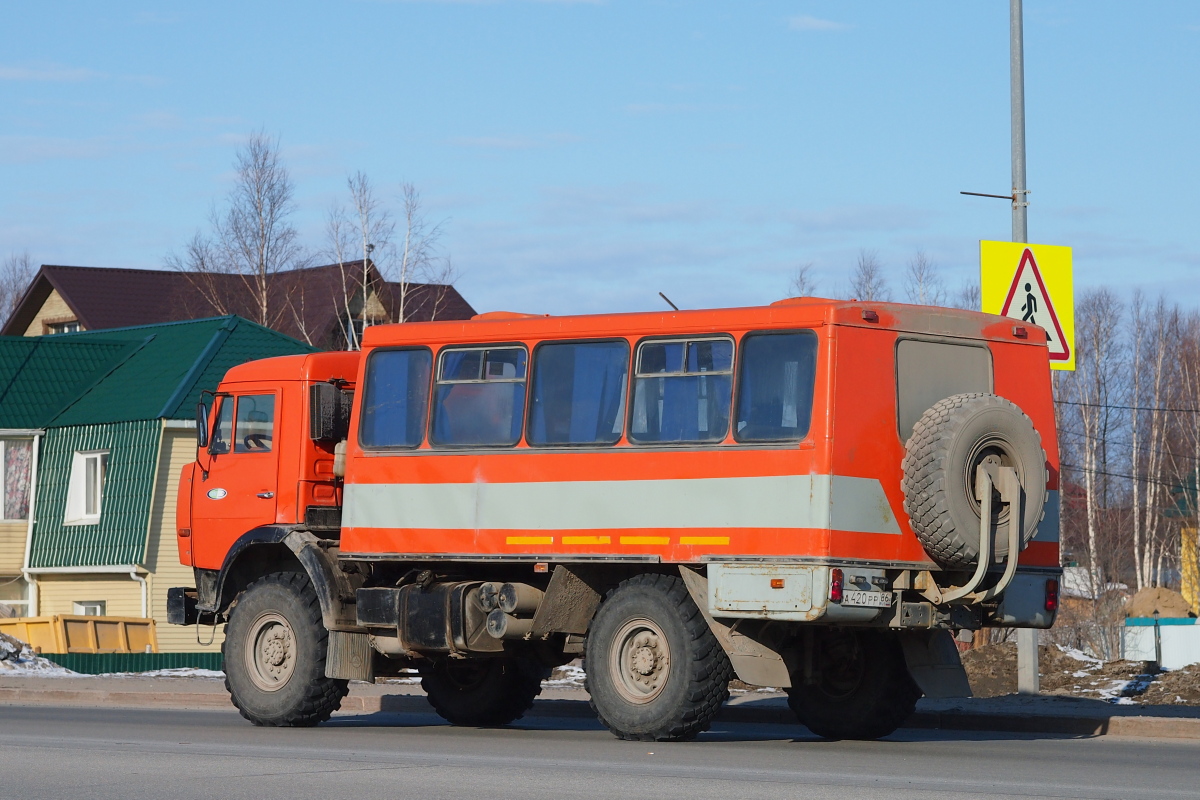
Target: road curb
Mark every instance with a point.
(1135, 726)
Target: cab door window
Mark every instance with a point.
(682, 391)
(255, 423)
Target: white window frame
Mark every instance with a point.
(84, 608)
(4, 477)
(77, 489)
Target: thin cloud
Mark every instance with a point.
(679, 108)
(51, 74)
(803, 22)
(513, 142)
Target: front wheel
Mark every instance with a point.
(859, 688)
(655, 672)
(274, 653)
(483, 692)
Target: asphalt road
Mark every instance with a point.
(63, 752)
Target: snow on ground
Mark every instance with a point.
(177, 672)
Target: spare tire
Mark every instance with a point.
(951, 439)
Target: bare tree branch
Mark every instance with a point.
(252, 239)
(923, 285)
(804, 282)
(867, 281)
(15, 274)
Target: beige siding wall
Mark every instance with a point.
(57, 594)
(12, 547)
(162, 552)
(55, 308)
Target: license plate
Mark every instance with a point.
(868, 599)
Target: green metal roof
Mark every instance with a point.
(164, 374)
(40, 375)
(119, 537)
(152, 372)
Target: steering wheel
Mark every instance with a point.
(255, 441)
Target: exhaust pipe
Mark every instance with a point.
(506, 626)
(489, 595)
(519, 598)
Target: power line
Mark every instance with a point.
(1118, 475)
(1128, 446)
(1129, 408)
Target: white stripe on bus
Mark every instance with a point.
(781, 501)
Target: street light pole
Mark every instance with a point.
(1028, 677)
(1016, 60)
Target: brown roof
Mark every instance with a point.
(303, 303)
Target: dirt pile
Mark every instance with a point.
(1179, 687)
(1169, 604)
(992, 671)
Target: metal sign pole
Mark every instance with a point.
(1028, 678)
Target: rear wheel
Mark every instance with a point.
(483, 692)
(655, 672)
(274, 653)
(860, 686)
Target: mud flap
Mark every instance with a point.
(934, 663)
(754, 662)
(350, 657)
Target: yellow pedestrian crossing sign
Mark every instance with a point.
(1032, 283)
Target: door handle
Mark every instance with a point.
(266, 495)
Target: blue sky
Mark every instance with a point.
(587, 155)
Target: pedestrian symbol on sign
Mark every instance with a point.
(1036, 307)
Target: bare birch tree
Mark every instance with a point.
(867, 282)
(804, 282)
(16, 272)
(252, 239)
(967, 297)
(923, 284)
(417, 258)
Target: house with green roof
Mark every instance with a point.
(106, 453)
(39, 377)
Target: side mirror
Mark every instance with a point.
(328, 412)
(201, 425)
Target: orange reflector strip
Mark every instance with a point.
(529, 540)
(645, 540)
(586, 540)
(776, 583)
(704, 540)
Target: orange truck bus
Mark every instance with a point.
(815, 495)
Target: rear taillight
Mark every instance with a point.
(1052, 595)
(837, 584)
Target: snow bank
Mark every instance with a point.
(18, 658)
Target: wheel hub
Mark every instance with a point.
(640, 661)
(271, 651)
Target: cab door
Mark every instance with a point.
(243, 474)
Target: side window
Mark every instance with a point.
(479, 398)
(222, 432)
(255, 423)
(578, 394)
(682, 391)
(927, 372)
(85, 487)
(395, 398)
(775, 388)
(16, 462)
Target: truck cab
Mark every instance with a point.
(252, 470)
